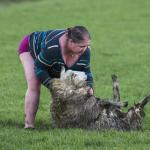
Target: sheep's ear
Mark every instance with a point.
(62, 71)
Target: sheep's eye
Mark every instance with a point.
(74, 75)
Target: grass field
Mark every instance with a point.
(120, 45)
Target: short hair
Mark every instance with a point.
(78, 33)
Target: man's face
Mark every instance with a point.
(78, 48)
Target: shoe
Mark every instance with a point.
(29, 126)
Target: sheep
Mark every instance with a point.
(71, 107)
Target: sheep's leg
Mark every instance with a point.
(115, 84)
(145, 101)
(107, 102)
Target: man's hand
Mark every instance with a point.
(90, 91)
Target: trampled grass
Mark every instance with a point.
(120, 45)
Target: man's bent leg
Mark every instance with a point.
(33, 89)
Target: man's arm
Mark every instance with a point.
(42, 64)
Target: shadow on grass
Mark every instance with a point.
(11, 123)
(39, 126)
(94, 143)
(6, 2)
(42, 125)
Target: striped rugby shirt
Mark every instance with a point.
(45, 50)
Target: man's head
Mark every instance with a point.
(78, 39)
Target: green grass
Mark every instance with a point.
(120, 45)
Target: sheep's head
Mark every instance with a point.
(75, 78)
(136, 114)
